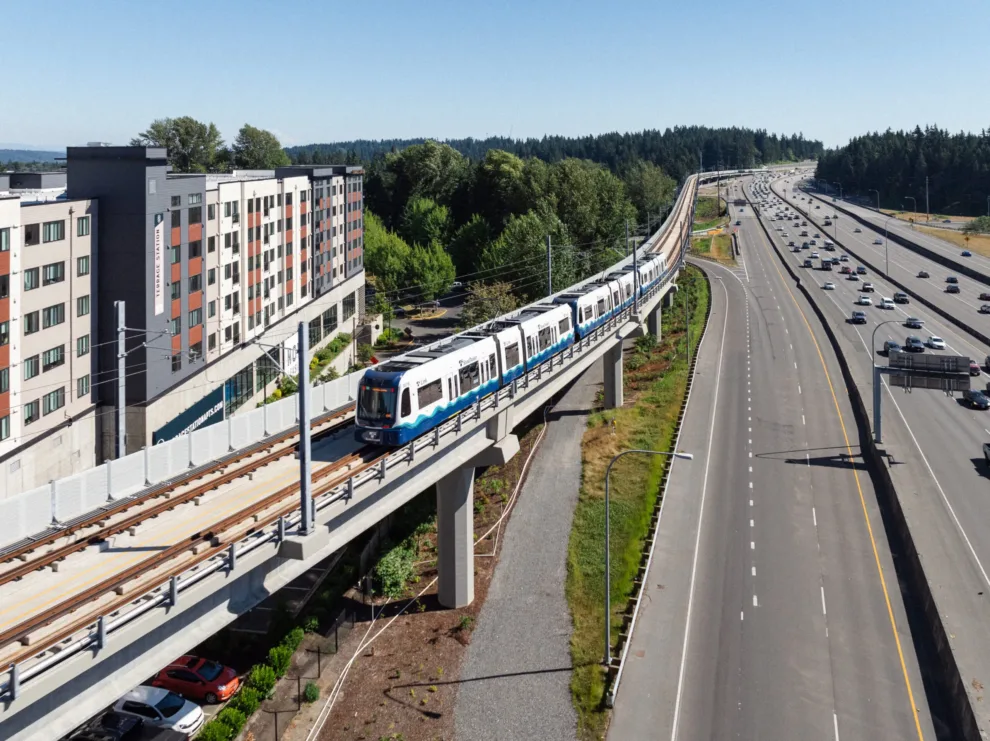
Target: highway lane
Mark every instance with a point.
(747, 645)
(939, 474)
(904, 264)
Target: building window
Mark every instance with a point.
(226, 208)
(82, 226)
(211, 276)
(211, 211)
(175, 326)
(82, 265)
(55, 315)
(53, 400)
(212, 342)
(32, 323)
(176, 363)
(4, 333)
(176, 290)
(5, 240)
(176, 201)
(82, 346)
(52, 358)
(53, 231)
(195, 317)
(227, 271)
(4, 380)
(288, 299)
(196, 351)
(288, 222)
(32, 412)
(82, 386)
(4, 286)
(348, 306)
(211, 309)
(195, 198)
(195, 283)
(32, 234)
(32, 367)
(196, 215)
(175, 254)
(196, 248)
(211, 244)
(82, 305)
(176, 219)
(54, 273)
(4, 427)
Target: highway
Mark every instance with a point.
(904, 264)
(771, 611)
(939, 471)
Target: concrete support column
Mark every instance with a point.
(653, 322)
(613, 376)
(455, 538)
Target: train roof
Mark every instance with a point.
(419, 357)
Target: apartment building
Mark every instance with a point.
(47, 266)
(214, 271)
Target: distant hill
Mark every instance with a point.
(28, 155)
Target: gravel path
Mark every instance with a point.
(515, 679)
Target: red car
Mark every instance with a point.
(198, 679)
(974, 368)
(985, 297)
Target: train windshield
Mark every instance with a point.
(376, 405)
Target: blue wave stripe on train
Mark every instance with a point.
(403, 432)
(566, 341)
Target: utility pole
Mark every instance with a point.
(687, 326)
(549, 268)
(118, 308)
(635, 273)
(928, 211)
(305, 447)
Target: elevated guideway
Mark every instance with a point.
(82, 630)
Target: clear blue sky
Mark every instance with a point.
(322, 71)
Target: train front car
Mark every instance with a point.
(376, 413)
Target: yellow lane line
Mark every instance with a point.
(859, 487)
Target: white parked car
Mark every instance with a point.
(935, 343)
(864, 301)
(829, 286)
(162, 708)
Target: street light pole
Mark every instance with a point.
(840, 189)
(915, 200)
(874, 190)
(877, 390)
(886, 260)
(608, 559)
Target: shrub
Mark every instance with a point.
(394, 571)
(312, 624)
(262, 679)
(232, 718)
(646, 343)
(466, 623)
(215, 731)
(247, 701)
(293, 638)
(365, 352)
(330, 374)
(311, 693)
(279, 659)
(636, 362)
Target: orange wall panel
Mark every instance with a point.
(195, 232)
(195, 334)
(4, 310)
(195, 265)
(195, 300)
(176, 344)
(4, 403)
(176, 308)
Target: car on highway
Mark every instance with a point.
(878, 241)
(814, 255)
(868, 287)
(738, 222)
(935, 342)
(966, 253)
(852, 276)
(923, 274)
(974, 368)
(914, 322)
(740, 210)
(808, 263)
(901, 298)
(857, 317)
(162, 708)
(857, 230)
(828, 286)
(985, 296)
(891, 346)
(791, 243)
(913, 344)
(985, 309)
(817, 235)
(951, 279)
(952, 288)
(845, 270)
(805, 245)
(860, 270)
(864, 301)
(199, 679)
(804, 223)
(976, 399)
(946, 221)
(817, 206)
(843, 258)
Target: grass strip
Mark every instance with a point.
(655, 382)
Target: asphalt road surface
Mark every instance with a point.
(771, 610)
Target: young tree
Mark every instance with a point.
(386, 256)
(487, 301)
(650, 189)
(193, 146)
(425, 221)
(257, 149)
(469, 243)
(431, 271)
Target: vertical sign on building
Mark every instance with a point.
(159, 264)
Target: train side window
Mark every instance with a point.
(615, 299)
(512, 355)
(492, 372)
(429, 393)
(565, 325)
(406, 403)
(601, 307)
(469, 377)
(450, 388)
(545, 338)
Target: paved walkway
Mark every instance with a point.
(516, 677)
